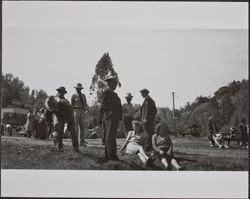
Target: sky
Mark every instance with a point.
(190, 49)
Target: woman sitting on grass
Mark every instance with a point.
(133, 146)
(163, 146)
(219, 140)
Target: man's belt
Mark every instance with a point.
(77, 108)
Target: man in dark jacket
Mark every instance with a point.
(212, 129)
(243, 132)
(111, 111)
(148, 112)
(64, 113)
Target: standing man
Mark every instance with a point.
(243, 132)
(148, 112)
(111, 111)
(64, 113)
(212, 129)
(128, 112)
(79, 104)
(30, 123)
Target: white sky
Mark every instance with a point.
(190, 48)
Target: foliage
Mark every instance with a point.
(103, 67)
(228, 106)
(14, 90)
(16, 94)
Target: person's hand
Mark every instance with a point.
(144, 121)
(161, 152)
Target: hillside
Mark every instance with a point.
(229, 105)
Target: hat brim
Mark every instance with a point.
(111, 79)
(144, 91)
(79, 87)
(61, 91)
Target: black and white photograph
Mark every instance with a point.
(124, 86)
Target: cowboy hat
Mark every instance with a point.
(61, 89)
(110, 77)
(144, 90)
(79, 86)
(129, 95)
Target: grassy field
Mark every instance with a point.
(193, 153)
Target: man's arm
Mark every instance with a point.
(73, 100)
(86, 107)
(170, 150)
(155, 147)
(105, 101)
(146, 112)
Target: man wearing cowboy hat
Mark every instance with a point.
(148, 112)
(128, 112)
(111, 111)
(79, 105)
(64, 113)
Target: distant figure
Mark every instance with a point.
(42, 125)
(30, 123)
(212, 129)
(79, 105)
(111, 111)
(2, 129)
(163, 147)
(36, 123)
(243, 132)
(9, 129)
(64, 114)
(128, 111)
(148, 112)
(133, 145)
(232, 134)
(219, 140)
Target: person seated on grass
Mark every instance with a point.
(219, 140)
(163, 147)
(133, 146)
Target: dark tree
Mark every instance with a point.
(103, 67)
(13, 90)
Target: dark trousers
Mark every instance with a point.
(127, 124)
(71, 129)
(244, 139)
(210, 137)
(110, 131)
(148, 128)
(35, 128)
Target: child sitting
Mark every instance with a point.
(163, 146)
(133, 146)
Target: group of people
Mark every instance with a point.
(61, 112)
(217, 138)
(161, 143)
(112, 112)
(142, 138)
(36, 124)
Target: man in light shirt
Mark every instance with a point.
(128, 112)
(80, 106)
